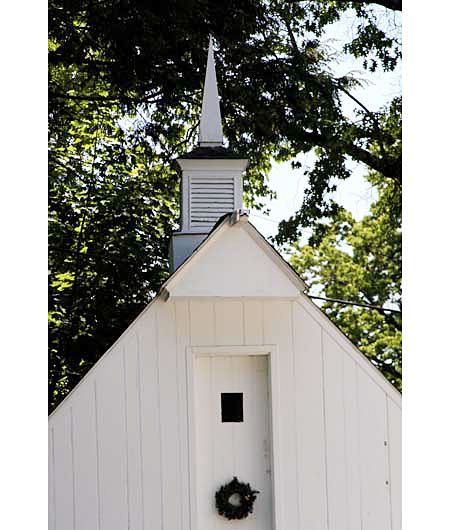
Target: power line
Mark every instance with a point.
(359, 304)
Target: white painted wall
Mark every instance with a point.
(119, 445)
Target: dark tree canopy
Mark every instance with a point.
(125, 80)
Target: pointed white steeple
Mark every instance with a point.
(211, 134)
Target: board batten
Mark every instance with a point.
(63, 473)
(204, 446)
(85, 459)
(150, 422)
(51, 482)
(229, 322)
(168, 391)
(131, 372)
(183, 341)
(202, 322)
(253, 322)
(336, 456)
(310, 421)
(278, 330)
(351, 422)
(375, 502)
(395, 462)
(111, 425)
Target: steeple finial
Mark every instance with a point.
(211, 134)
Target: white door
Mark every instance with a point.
(232, 436)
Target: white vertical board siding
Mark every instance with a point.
(253, 322)
(278, 330)
(335, 442)
(229, 322)
(85, 459)
(168, 394)
(131, 376)
(352, 449)
(183, 341)
(203, 444)
(112, 444)
(310, 421)
(51, 483)
(63, 471)
(119, 453)
(150, 422)
(375, 501)
(350, 436)
(202, 323)
(395, 462)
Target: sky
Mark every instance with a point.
(355, 194)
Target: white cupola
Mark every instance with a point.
(211, 176)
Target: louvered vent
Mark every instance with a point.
(210, 199)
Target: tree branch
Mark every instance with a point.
(94, 97)
(390, 169)
(394, 5)
(104, 99)
(352, 97)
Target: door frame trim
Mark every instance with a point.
(271, 352)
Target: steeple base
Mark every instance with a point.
(182, 245)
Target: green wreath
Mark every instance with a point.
(243, 508)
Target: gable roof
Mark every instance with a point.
(219, 271)
(168, 289)
(291, 275)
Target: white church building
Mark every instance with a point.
(230, 371)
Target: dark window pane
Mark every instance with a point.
(232, 408)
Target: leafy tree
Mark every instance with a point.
(125, 81)
(112, 208)
(279, 95)
(361, 261)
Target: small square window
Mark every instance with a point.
(232, 407)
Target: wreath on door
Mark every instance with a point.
(235, 500)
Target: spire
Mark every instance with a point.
(211, 134)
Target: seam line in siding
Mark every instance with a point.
(244, 325)
(159, 417)
(97, 456)
(125, 398)
(263, 317)
(388, 457)
(213, 448)
(53, 492)
(188, 400)
(294, 367)
(73, 468)
(214, 323)
(141, 458)
(177, 370)
(358, 410)
(325, 428)
(345, 421)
